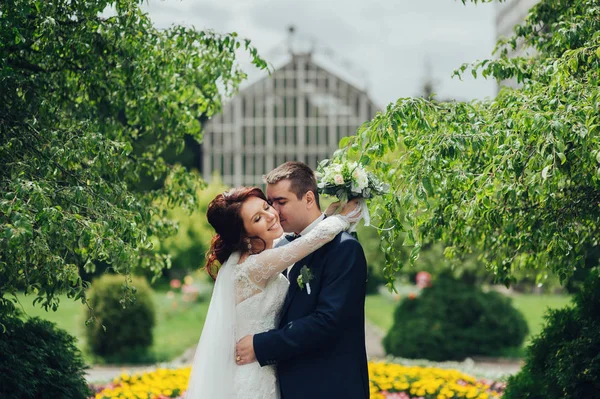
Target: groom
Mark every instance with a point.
(319, 348)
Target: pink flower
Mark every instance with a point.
(175, 283)
(190, 293)
(189, 289)
(423, 279)
(395, 395)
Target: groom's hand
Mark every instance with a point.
(244, 351)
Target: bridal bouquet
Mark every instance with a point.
(348, 180)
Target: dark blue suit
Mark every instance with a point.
(319, 348)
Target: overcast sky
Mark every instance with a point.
(383, 43)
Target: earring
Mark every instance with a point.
(249, 244)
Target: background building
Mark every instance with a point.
(299, 113)
(510, 13)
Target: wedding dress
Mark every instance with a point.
(247, 300)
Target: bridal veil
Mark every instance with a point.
(213, 370)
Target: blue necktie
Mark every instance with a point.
(292, 237)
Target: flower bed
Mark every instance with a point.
(158, 384)
(395, 381)
(387, 381)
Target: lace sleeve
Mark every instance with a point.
(259, 268)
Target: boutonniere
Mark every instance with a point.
(304, 278)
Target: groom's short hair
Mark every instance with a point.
(301, 176)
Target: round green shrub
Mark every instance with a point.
(122, 332)
(563, 361)
(39, 360)
(452, 320)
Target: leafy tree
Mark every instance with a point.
(88, 105)
(516, 178)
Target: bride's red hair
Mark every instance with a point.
(224, 216)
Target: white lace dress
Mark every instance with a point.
(260, 293)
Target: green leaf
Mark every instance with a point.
(345, 141)
(428, 186)
(545, 171)
(414, 254)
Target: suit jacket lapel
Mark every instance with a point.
(293, 283)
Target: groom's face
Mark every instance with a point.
(292, 211)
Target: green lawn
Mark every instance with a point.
(380, 311)
(534, 307)
(177, 328)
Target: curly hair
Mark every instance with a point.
(224, 215)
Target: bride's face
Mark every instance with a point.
(261, 219)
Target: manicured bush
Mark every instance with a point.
(452, 320)
(564, 360)
(122, 331)
(39, 360)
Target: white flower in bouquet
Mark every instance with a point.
(360, 180)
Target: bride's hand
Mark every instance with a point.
(349, 207)
(352, 210)
(331, 209)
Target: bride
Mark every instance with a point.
(249, 290)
